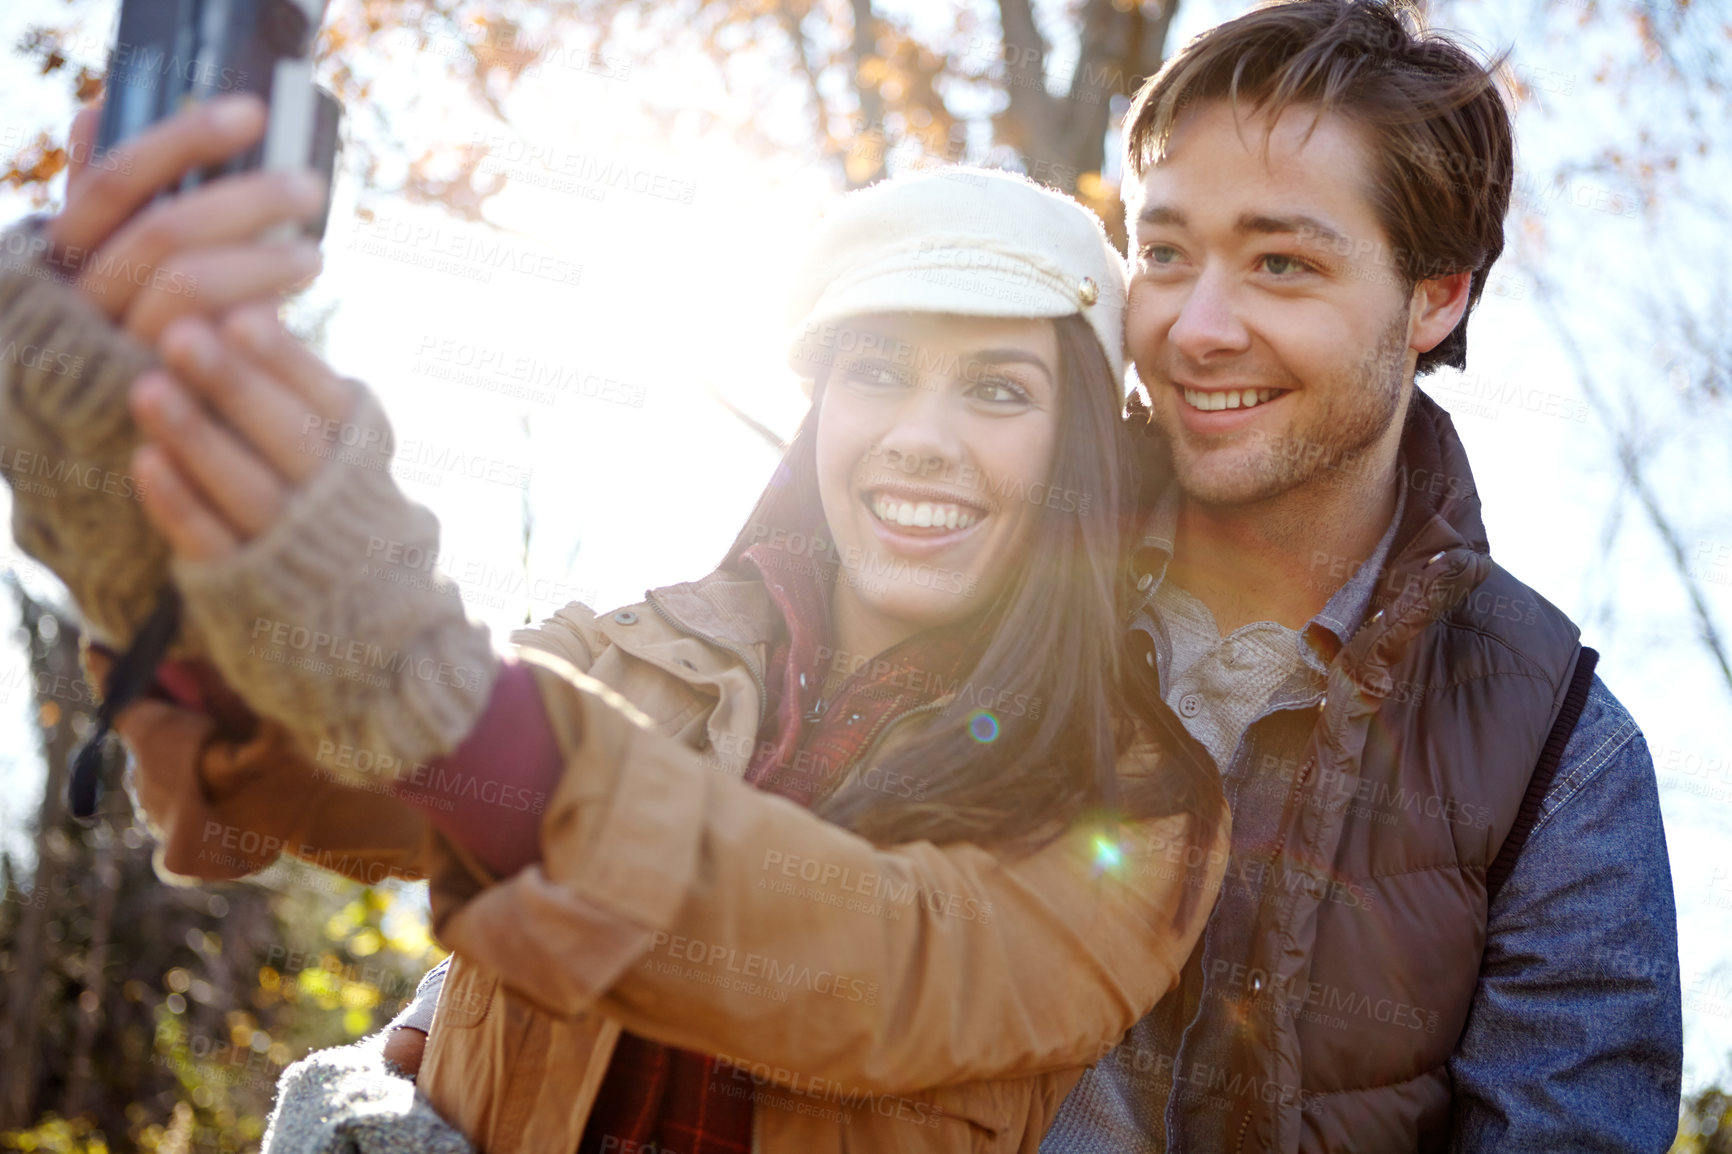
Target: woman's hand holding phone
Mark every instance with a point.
(90, 291)
(145, 261)
(87, 293)
(269, 476)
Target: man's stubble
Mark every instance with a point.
(1333, 448)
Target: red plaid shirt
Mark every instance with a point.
(674, 1101)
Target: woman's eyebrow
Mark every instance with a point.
(1011, 356)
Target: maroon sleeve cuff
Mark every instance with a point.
(488, 795)
(195, 684)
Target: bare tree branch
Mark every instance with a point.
(808, 70)
(769, 435)
(1630, 461)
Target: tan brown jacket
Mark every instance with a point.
(868, 998)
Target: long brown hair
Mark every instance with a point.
(1055, 634)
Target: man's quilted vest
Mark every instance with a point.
(1338, 969)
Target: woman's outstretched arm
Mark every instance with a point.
(690, 906)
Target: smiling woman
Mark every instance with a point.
(967, 471)
(891, 444)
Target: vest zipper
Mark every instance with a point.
(1298, 785)
(745, 658)
(1280, 844)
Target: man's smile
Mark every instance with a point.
(1214, 400)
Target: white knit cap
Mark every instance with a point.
(971, 241)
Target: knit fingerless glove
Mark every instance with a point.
(66, 442)
(332, 623)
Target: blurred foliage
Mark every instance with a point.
(143, 1016)
(1705, 1125)
(1008, 84)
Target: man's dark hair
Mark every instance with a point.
(1441, 132)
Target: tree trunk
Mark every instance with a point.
(105, 879)
(868, 157)
(51, 657)
(1063, 141)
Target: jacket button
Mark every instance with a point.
(1190, 705)
(625, 617)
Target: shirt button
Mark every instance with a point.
(1256, 983)
(802, 681)
(1144, 582)
(1190, 705)
(1149, 657)
(625, 617)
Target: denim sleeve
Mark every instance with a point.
(418, 1014)
(1574, 1040)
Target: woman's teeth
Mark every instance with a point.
(921, 514)
(1231, 399)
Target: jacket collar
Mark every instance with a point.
(730, 607)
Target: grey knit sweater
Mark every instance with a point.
(345, 1101)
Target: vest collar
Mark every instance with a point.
(1440, 554)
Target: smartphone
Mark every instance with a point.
(168, 54)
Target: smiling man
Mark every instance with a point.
(1448, 923)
